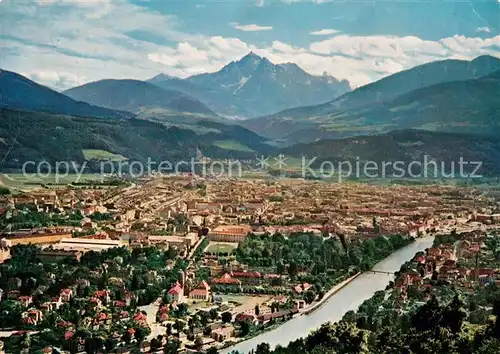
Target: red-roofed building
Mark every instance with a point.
(119, 303)
(247, 277)
(139, 316)
(201, 292)
(176, 293)
(66, 295)
(243, 317)
(229, 233)
(25, 300)
(103, 295)
(301, 288)
(226, 279)
(123, 315)
(29, 321)
(101, 319)
(434, 252)
(95, 302)
(419, 259)
(163, 317)
(65, 324)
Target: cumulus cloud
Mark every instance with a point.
(99, 7)
(324, 32)
(75, 46)
(250, 27)
(485, 29)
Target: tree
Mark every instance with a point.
(492, 243)
(292, 269)
(454, 315)
(280, 268)
(198, 343)
(171, 347)
(213, 314)
(350, 316)
(257, 310)
(226, 317)
(263, 348)
(179, 325)
(245, 328)
(428, 316)
(309, 296)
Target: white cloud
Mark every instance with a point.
(75, 46)
(485, 29)
(260, 3)
(324, 32)
(99, 7)
(251, 27)
(372, 57)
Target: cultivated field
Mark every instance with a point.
(102, 155)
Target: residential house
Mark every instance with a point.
(277, 315)
(66, 295)
(32, 317)
(101, 319)
(222, 334)
(13, 294)
(301, 288)
(25, 300)
(245, 317)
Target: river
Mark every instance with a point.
(348, 298)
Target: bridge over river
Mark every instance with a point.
(348, 298)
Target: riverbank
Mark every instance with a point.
(329, 294)
(306, 311)
(349, 297)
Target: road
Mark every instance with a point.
(151, 311)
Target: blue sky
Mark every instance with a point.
(62, 43)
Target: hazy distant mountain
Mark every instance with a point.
(445, 96)
(254, 86)
(134, 96)
(18, 92)
(160, 77)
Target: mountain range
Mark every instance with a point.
(40, 136)
(253, 86)
(406, 146)
(449, 95)
(451, 110)
(136, 96)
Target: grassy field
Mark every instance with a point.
(232, 145)
(28, 181)
(90, 154)
(221, 247)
